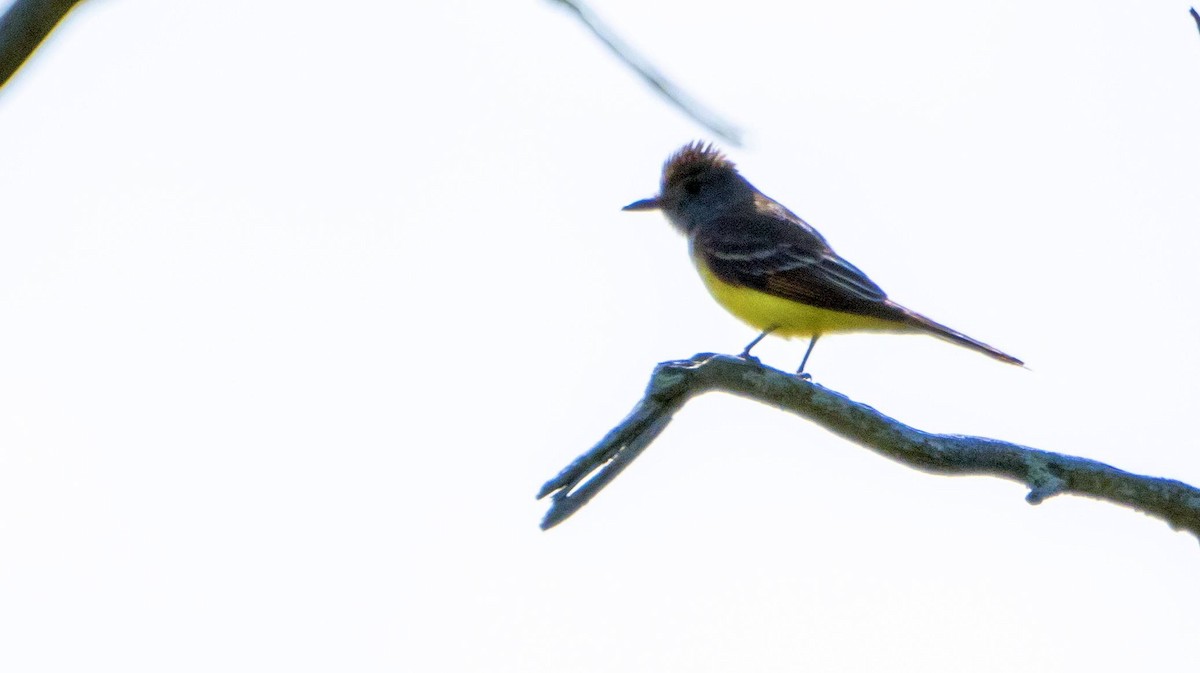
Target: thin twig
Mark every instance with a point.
(1045, 474)
(1195, 15)
(23, 27)
(652, 76)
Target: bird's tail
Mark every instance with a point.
(939, 330)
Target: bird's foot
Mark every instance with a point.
(745, 355)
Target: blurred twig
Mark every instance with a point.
(1195, 15)
(652, 76)
(23, 27)
(1046, 474)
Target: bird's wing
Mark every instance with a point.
(785, 257)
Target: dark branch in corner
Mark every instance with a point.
(23, 27)
(1046, 474)
(652, 76)
(1195, 15)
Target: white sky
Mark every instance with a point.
(300, 303)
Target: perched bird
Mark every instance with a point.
(770, 268)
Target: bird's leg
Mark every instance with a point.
(745, 354)
(812, 342)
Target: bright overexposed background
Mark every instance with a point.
(301, 302)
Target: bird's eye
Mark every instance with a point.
(692, 187)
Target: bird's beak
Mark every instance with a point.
(644, 204)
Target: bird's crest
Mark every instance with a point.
(691, 159)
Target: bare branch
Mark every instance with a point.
(1045, 473)
(1195, 15)
(652, 76)
(22, 29)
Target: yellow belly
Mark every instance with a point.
(790, 318)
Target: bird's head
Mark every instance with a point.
(698, 182)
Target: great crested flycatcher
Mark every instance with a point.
(770, 268)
